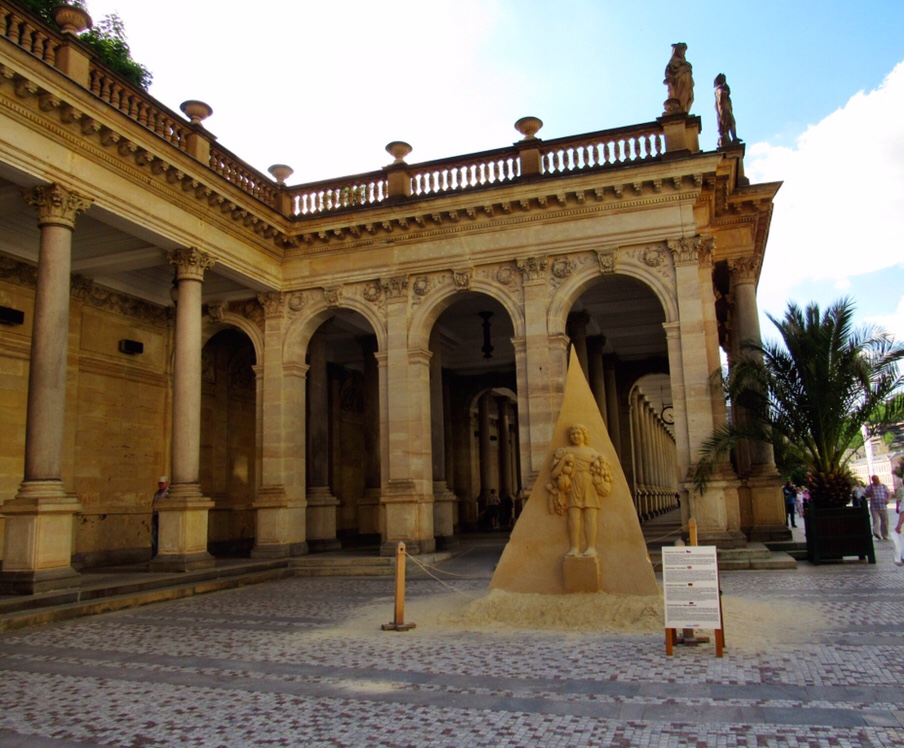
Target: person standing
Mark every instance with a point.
(162, 491)
(790, 500)
(878, 495)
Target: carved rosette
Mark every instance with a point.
(744, 269)
(607, 260)
(295, 301)
(562, 267)
(272, 303)
(56, 205)
(505, 275)
(462, 279)
(190, 262)
(421, 286)
(533, 269)
(652, 256)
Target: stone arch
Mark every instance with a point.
(430, 310)
(565, 297)
(230, 319)
(302, 328)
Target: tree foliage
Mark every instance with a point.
(107, 39)
(810, 395)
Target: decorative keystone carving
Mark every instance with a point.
(532, 268)
(607, 260)
(332, 296)
(190, 262)
(462, 279)
(56, 205)
(217, 312)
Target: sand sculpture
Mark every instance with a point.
(579, 530)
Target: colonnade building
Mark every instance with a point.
(357, 360)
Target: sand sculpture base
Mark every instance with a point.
(582, 574)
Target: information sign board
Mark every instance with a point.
(690, 586)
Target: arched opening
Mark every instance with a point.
(616, 328)
(343, 433)
(228, 465)
(474, 408)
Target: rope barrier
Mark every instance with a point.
(426, 570)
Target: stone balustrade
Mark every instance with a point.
(32, 36)
(530, 158)
(333, 195)
(600, 149)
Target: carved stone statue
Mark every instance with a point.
(579, 479)
(724, 113)
(680, 81)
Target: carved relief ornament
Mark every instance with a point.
(744, 269)
(56, 205)
(532, 268)
(692, 250)
(190, 262)
(562, 267)
(395, 287)
(462, 279)
(272, 303)
(608, 260)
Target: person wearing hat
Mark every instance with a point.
(162, 490)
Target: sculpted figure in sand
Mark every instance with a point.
(580, 478)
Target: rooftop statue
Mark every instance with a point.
(724, 113)
(680, 81)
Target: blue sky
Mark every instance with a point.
(817, 87)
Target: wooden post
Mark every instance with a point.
(398, 623)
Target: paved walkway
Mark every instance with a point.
(816, 658)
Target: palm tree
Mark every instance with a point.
(810, 394)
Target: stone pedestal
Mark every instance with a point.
(38, 549)
(767, 508)
(321, 520)
(280, 525)
(581, 574)
(183, 530)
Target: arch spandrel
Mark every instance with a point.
(225, 320)
(572, 275)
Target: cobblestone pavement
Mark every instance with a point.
(303, 662)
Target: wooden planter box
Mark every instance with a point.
(836, 532)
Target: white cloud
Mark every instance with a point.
(840, 212)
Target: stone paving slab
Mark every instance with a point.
(302, 662)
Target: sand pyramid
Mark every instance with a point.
(532, 562)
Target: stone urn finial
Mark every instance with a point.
(196, 111)
(398, 150)
(71, 19)
(281, 173)
(529, 126)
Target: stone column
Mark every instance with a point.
(321, 510)
(717, 511)
(577, 332)
(613, 424)
(484, 448)
(595, 374)
(369, 506)
(39, 520)
(407, 488)
(443, 498)
(505, 447)
(763, 481)
(279, 517)
(184, 512)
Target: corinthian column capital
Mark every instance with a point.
(692, 250)
(56, 205)
(190, 262)
(744, 269)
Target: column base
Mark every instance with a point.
(412, 547)
(181, 562)
(324, 545)
(768, 533)
(280, 551)
(722, 538)
(321, 519)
